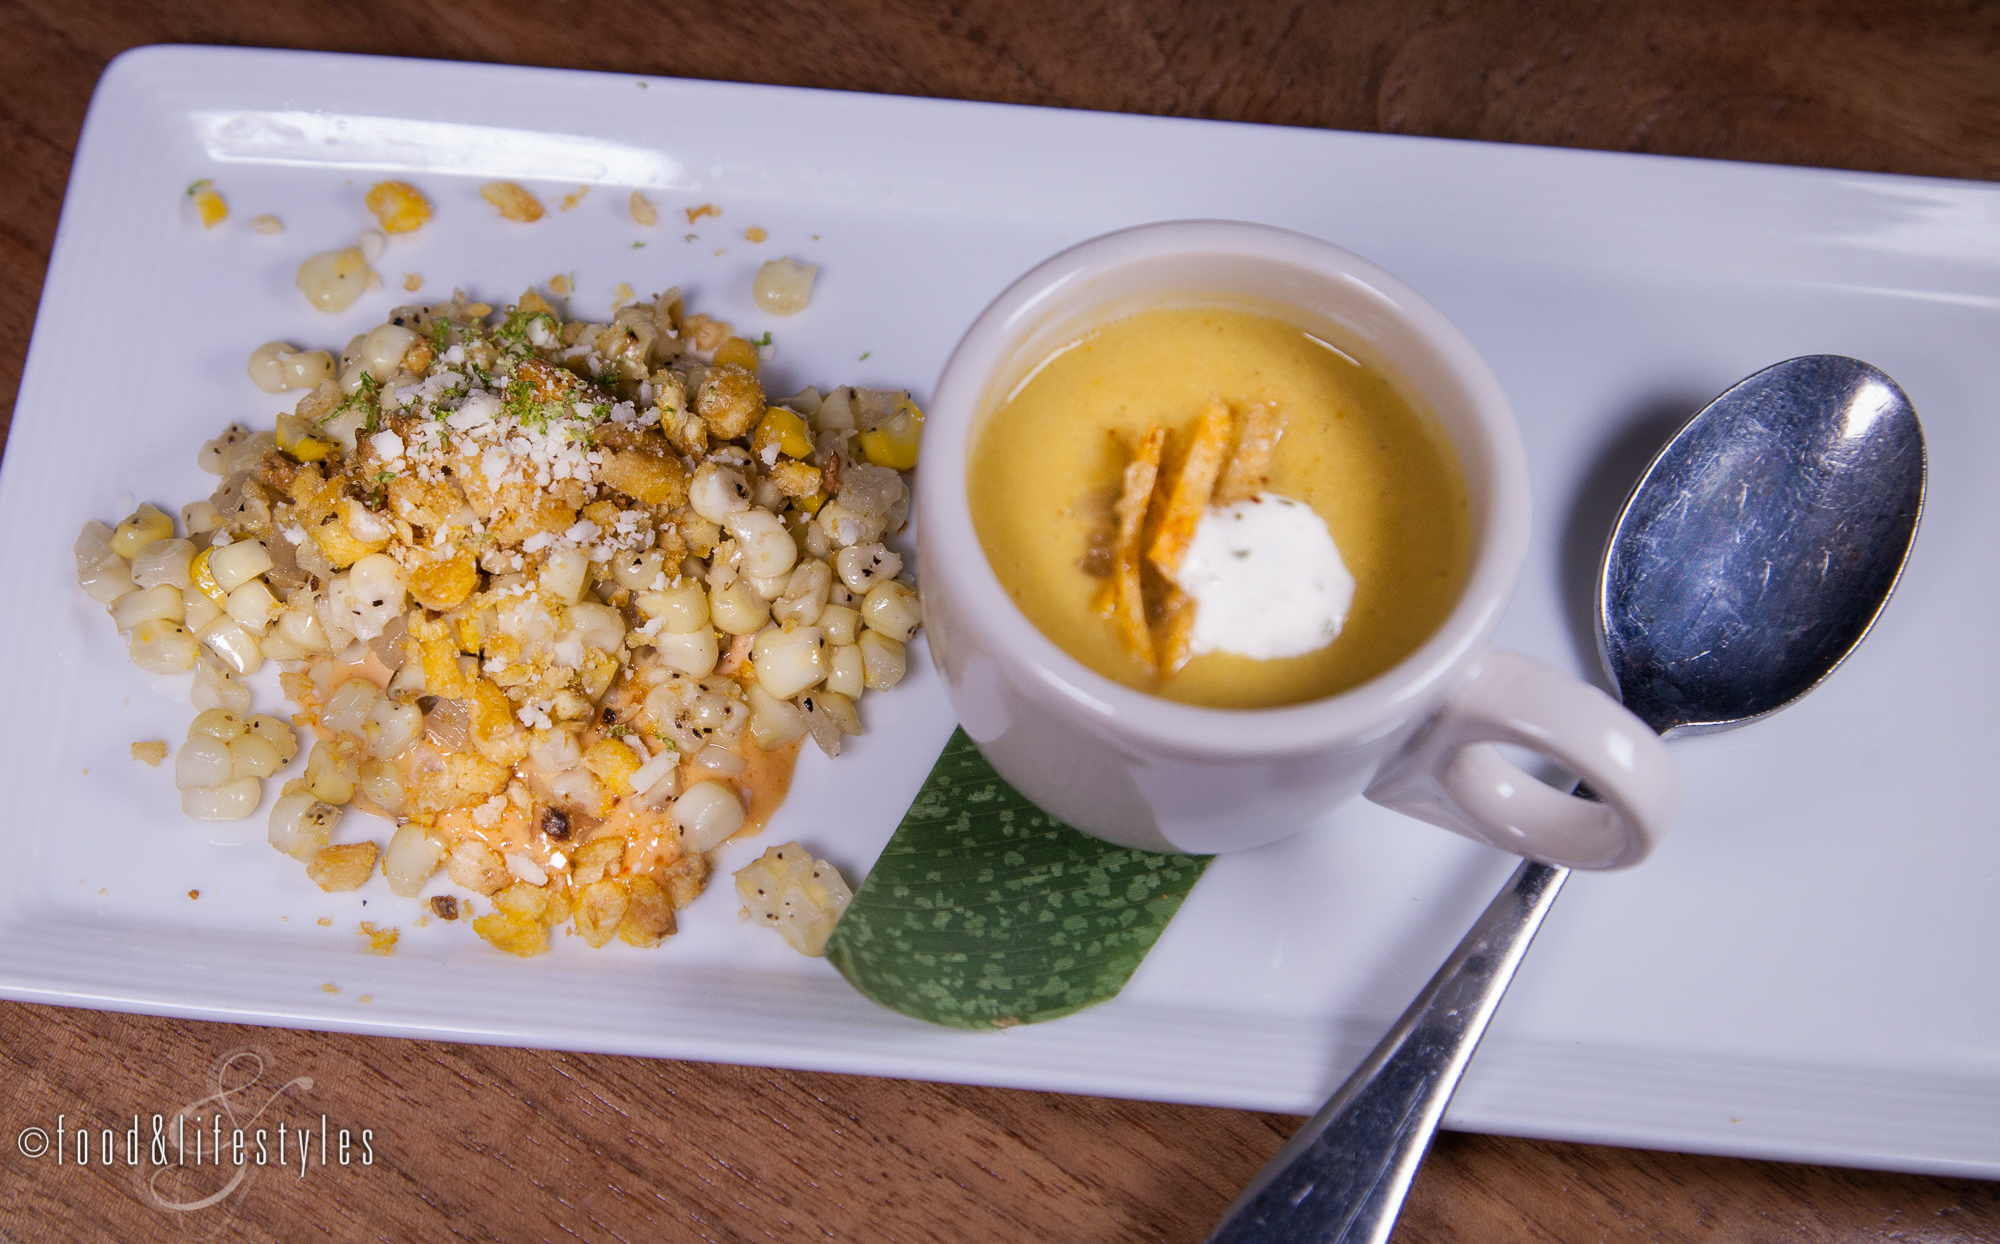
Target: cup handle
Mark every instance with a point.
(1453, 776)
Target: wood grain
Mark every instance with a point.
(496, 1144)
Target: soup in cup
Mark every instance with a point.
(1217, 521)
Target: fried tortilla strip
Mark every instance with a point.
(1176, 633)
(1250, 467)
(1189, 499)
(1128, 606)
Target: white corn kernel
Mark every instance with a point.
(845, 673)
(863, 566)
(237, 647)
(598, 626)
(198, 608)
(233, 565)
(215, 687)
(301, 627)
(252, 757)
(276, 733)
(891, 609)
(101, 573)
(805, 594)
(391, 727)
(202, 762)
(738, 609)
(783, 286)
(773, 722)
(252, 605)
(414, 854)
(143, 526)
(329, 777)
(382, 350)
(346, 710)
(153, 604)
(768, 549)
(199, 517)
(301, 824)
(706, 814)
(694, 653)
(841, 624)
(267, 365)
(788, 660)
(164, 561)
(332, 280)
(162, 647)
(564, 575)
(882, 660)
(221, 724)
(231, 801)
(638, 572)
(682, 609)
(717, 492)
(382, 785)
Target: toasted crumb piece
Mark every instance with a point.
(152, 751)
(343, 867)
(412, 281)
(649, 917)
(444, 906)
(514, 202)
(621, 294)
(380, 941)
(194, 893)
(561, 286)
(365, 999)
(755, 233)
(267, 223)
(643, 211)
(574, 197)
(325, 922)
(329, 987)
(400, 206)
(706, 209)
(208, 204)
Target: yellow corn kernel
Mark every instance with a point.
(784, 429)
(810, 503)
(400, 206)
(208, 203)
(893, 442)
(204, 578)
(738, 351)
(611, 761)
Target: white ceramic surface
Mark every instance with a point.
(1804, 970)
(1159, 775)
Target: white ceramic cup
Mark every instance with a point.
(1155, 774)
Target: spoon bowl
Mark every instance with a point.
(1755, 552)
(1760, 545)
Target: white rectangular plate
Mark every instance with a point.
(1805, 971)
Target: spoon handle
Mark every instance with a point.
(1342, 1178)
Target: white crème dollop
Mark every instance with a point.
(1266, 578)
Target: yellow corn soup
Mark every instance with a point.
(1047, 465)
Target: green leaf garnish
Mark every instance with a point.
(986, 912)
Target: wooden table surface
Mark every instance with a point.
(483, 1143)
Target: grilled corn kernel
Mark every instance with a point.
(398, 205)
(145, 525)
(784, 429)
(893, 442)
(738, 351)
(208, 204)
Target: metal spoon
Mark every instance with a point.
(1754, 554)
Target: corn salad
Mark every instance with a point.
(558, 599)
